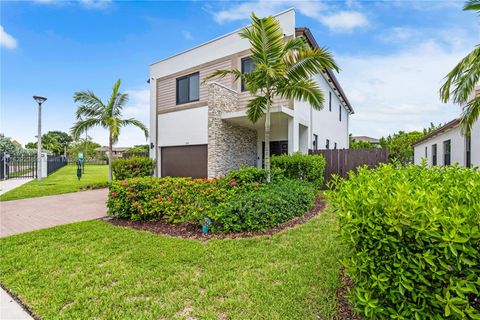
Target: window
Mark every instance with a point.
(434, 155)
(468, 154)
(330, 101)
(247, 67)
(188, 88)
(335, 145)
(327, 145)
(446, 152)
(315, 142)
(340, 113)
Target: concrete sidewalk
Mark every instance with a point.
(10, 309)
(18, 216)
(10, 184)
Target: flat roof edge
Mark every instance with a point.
(217, 38)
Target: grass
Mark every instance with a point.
(96, 270)
(64, 180)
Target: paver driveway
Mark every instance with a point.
(24, 215)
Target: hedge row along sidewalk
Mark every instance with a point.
(414, 235)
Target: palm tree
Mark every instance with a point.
(93, 112)
(283, 68)
(461, 81)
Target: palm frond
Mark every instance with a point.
(295, 44)
(256, 108)
(136, 123)
(119, 103)
(303, 90)
(223, 73)
(470, 114)
(308, 62)
(84, 111)
(473, 5)
(87, 98)
(460, 82)
(83, 125)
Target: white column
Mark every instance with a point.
(293, 135)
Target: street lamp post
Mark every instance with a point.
(39, 100)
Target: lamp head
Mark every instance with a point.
(39, 99)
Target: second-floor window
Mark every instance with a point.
(247, 67)
(446, 153)
(188, 88)
(340, 113)
(434, 155)
(329, 100)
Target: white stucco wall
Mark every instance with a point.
(184, 127)
(325, 123)
(458, 153)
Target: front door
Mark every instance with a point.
(276, 148)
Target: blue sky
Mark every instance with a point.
(393, 54)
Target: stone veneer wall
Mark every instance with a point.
(229, 146)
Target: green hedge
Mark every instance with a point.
(301, 166)
(133, 167)
(231, 205)
(414, 234)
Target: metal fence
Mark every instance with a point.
(18, 166)
(55, 162)
(341, 161)
(135, 154)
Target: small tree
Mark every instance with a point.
(283, 68)
(93, 112)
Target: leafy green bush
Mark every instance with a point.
(414, 234)
(254, 174)
(132, 167)
(267, 206)
(301, 166)
(230, 204)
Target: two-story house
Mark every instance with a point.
(201, 129)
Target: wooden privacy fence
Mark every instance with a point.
(341, 161)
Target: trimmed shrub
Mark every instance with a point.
(414, 234)
(231, 205)
(301, 166)
(254, 174)
(267, 206)
(133, 167)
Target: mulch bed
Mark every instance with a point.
(345, 309)
(193, 231)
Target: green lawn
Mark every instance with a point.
(95, 270)
(63, 180)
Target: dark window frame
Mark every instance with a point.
(468, 151)
(447, 156)
(330, 101)
(340, 112)
(177, 93)
(434, 154)
(243, 88)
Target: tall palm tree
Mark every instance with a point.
(93, 112)
(461, 81)
(283, 68)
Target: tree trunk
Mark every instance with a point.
(110, 158)
(267, 142)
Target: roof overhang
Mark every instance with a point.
(448, 126)
(330, 75)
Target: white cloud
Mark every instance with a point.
(399, 91)
(325, 14)
(345, 21)
(6, 40)
(89, 4)
(138, 107)
(187, 35)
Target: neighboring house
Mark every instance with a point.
(373, 141)
(117, 151)
(201, 129)
(448, 145)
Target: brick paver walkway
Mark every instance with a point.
(24, 215)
